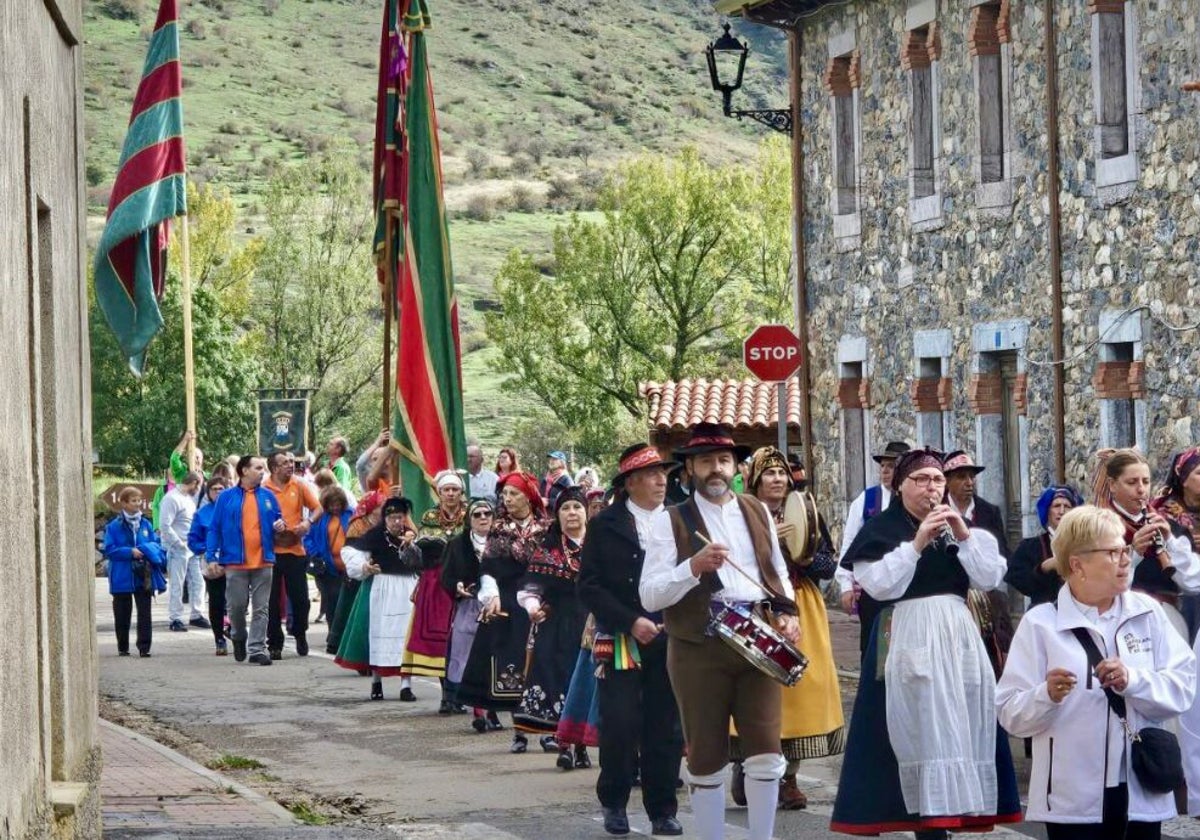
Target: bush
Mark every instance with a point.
(477, 160)
(525, 200)
(481, 208)
(521, 164)
(197, 29)
(124, 9)
(270, 7)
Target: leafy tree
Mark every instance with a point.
(687, 258)
(219, 263)
(137, 422)
(316, 298)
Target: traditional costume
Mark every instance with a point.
(924, 750)
(366, 516)
(554, 642)
(812, 725)
(425, 651)
(1025, 566)
(494, 677)
(461, 568)
(376, 630)
(580, 721)
(1171, 504)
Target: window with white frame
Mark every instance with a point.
(841, 80)
(920, 53)
(1114, 85)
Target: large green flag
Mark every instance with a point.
(428, 418)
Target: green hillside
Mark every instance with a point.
(536, 99)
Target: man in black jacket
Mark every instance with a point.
(638, 714)
(960, 471)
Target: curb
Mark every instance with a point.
(250, 795)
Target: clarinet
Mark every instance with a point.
(944, 541)
(1157, 539)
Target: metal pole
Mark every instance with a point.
(796, 51)
(781, 392)
(1056, 302)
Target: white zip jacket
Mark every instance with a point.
(1071, 739)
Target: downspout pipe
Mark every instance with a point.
(1053, 185)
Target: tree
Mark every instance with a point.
(316, 298)
(687, 258)
(218, 262)
(137, 422)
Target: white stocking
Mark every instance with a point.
(708, 807)
(762, 792)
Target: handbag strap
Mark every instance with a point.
(1115, 701)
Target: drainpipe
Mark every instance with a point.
(1056, 297)
(795, 53)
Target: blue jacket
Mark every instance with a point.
(197, 538)
(119, 543)
(316, 541)
(224, 543)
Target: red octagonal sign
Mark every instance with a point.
(772, 352)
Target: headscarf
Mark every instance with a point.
(527, 483)
(574, 493)
(475, 504)
(1052, 493)
(763, 459)
(913, 460)
(447, 477)
(1170, 499)
(385, 549)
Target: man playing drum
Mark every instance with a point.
(716, 549)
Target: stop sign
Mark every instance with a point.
(772, 352)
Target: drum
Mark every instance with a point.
(760, 644)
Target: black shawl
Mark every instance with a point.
(387, 552)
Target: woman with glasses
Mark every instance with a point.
(1032, 569)
(1083, 784)
(923, 754)
(460, 579)
(1164, 561)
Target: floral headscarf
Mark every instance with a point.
(763, 459)
(1050, 494)
(1170, 500)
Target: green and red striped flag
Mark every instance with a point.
(150, 189)
(428, 419)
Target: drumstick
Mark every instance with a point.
(736, 567)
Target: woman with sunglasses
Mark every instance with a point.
(460, 579)
(923, 752)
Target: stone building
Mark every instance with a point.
(986, 188)
(49, 749)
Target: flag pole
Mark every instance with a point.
(389, 298)
(189, 373)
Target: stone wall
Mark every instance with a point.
(980, 267)
(49, 753)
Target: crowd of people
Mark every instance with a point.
(596, 616)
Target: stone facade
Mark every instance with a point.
(975, 261)
(49, 748)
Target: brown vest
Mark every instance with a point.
(688, 618)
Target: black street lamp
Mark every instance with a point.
(726, 61)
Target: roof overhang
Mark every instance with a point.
(785, 14)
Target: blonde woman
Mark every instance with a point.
(1083, 784)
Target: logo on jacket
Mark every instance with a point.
(1135, 645)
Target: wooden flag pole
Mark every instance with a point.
(389, 298)
(189, 372)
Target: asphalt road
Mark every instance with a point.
(387, 768)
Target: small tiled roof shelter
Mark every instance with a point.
(747, 406)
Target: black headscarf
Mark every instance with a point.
(387, 551)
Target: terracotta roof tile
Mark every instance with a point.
(745, 404)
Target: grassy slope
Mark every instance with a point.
(583, 85)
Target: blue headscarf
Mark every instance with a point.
(1056, 491)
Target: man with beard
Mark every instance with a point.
(720, 548)
(639, 720)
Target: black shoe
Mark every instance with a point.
(582, 760)
(122, 653)
(301, 645)
(239, 650)
(458, 709)
(145, 654)
(446, 708)
(177, 627)
(376, 691)
(201, 622)
(406, 694)
(332, 651)
(276, 654)
(548, 743)
(519, 745)
(480, 725)
(260, 659)
(493, 722)
(564, 761)
(615, 821)
(666, 826)
(364, 672)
